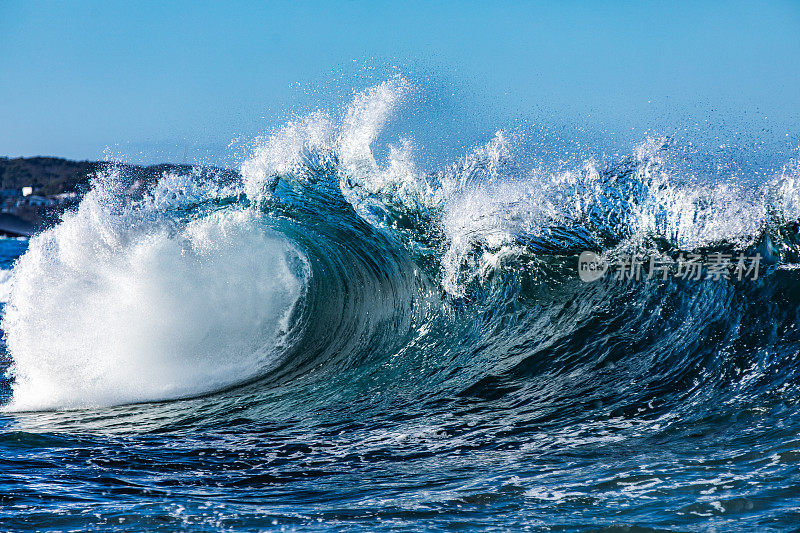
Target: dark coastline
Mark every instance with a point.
(36, 191)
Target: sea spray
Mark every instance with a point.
(126, 304)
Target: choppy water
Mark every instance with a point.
(338, 342)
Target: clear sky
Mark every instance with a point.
(152, 80)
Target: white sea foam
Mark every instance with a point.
(5, 285)
(119, 305)
(786, 191)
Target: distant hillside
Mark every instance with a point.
(58, 184)
(47, 175)
(53, 175)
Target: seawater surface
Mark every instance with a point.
(340, 341)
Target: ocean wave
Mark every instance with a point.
(454, 282)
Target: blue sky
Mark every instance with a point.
(156, 80)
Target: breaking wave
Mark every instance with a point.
(322, 258)
(349, 308)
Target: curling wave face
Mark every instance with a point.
(371, 309)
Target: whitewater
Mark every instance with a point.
(344, 339)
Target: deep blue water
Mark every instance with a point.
(10, 249)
